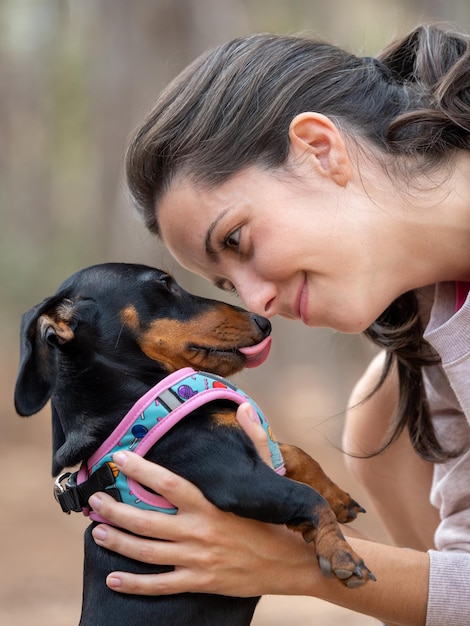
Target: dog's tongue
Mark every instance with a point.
(256, 355)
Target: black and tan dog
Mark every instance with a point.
(109, 335)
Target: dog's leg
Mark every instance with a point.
(262, 494)
(235, 479)
(302, 467)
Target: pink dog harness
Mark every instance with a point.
(163, 406)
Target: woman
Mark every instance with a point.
(333, 190)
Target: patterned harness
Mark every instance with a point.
(163, 406)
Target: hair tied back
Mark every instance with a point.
(384, 71)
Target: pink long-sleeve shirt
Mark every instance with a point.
(448, 392)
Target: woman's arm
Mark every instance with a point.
(218, 552)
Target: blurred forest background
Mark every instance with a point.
(76, 77)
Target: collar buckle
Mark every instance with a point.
(74, 497)
(65, 492)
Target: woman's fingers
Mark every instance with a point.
(183, 494)
(246, 417)
(177, 490)
(147, 548)
(191, 561)
(153, 584)
(142, 549)
(228, 555)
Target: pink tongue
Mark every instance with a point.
(256, 355)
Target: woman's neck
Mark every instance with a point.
(432, 220)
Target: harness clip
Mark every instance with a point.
(64, 491)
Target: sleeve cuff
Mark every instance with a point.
(449, 589)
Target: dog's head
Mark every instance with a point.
(113, 331)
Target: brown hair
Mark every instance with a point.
(232, 107)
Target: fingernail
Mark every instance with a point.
(99, 534)
(120, 458)
(251, 412)
(95, 502)
(113, 581)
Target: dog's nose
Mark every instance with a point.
(263, 324)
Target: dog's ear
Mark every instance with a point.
(43, 329)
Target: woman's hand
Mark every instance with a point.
(212, 551)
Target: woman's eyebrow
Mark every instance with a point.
(210, 250)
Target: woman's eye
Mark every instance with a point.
(226, 285)
(232, 240)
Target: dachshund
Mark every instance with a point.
(109, 336)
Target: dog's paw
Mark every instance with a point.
(347, 566)
(336, 557)
(345, 508)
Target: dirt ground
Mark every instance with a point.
(40, 576)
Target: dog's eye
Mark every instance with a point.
(166, 280)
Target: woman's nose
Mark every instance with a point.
(258, 297)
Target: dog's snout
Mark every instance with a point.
(263, 324)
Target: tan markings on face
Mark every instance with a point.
(226, 418)
(130, 317)
(208, 341)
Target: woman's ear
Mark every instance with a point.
(316, 135)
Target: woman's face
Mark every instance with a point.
(290, 244)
